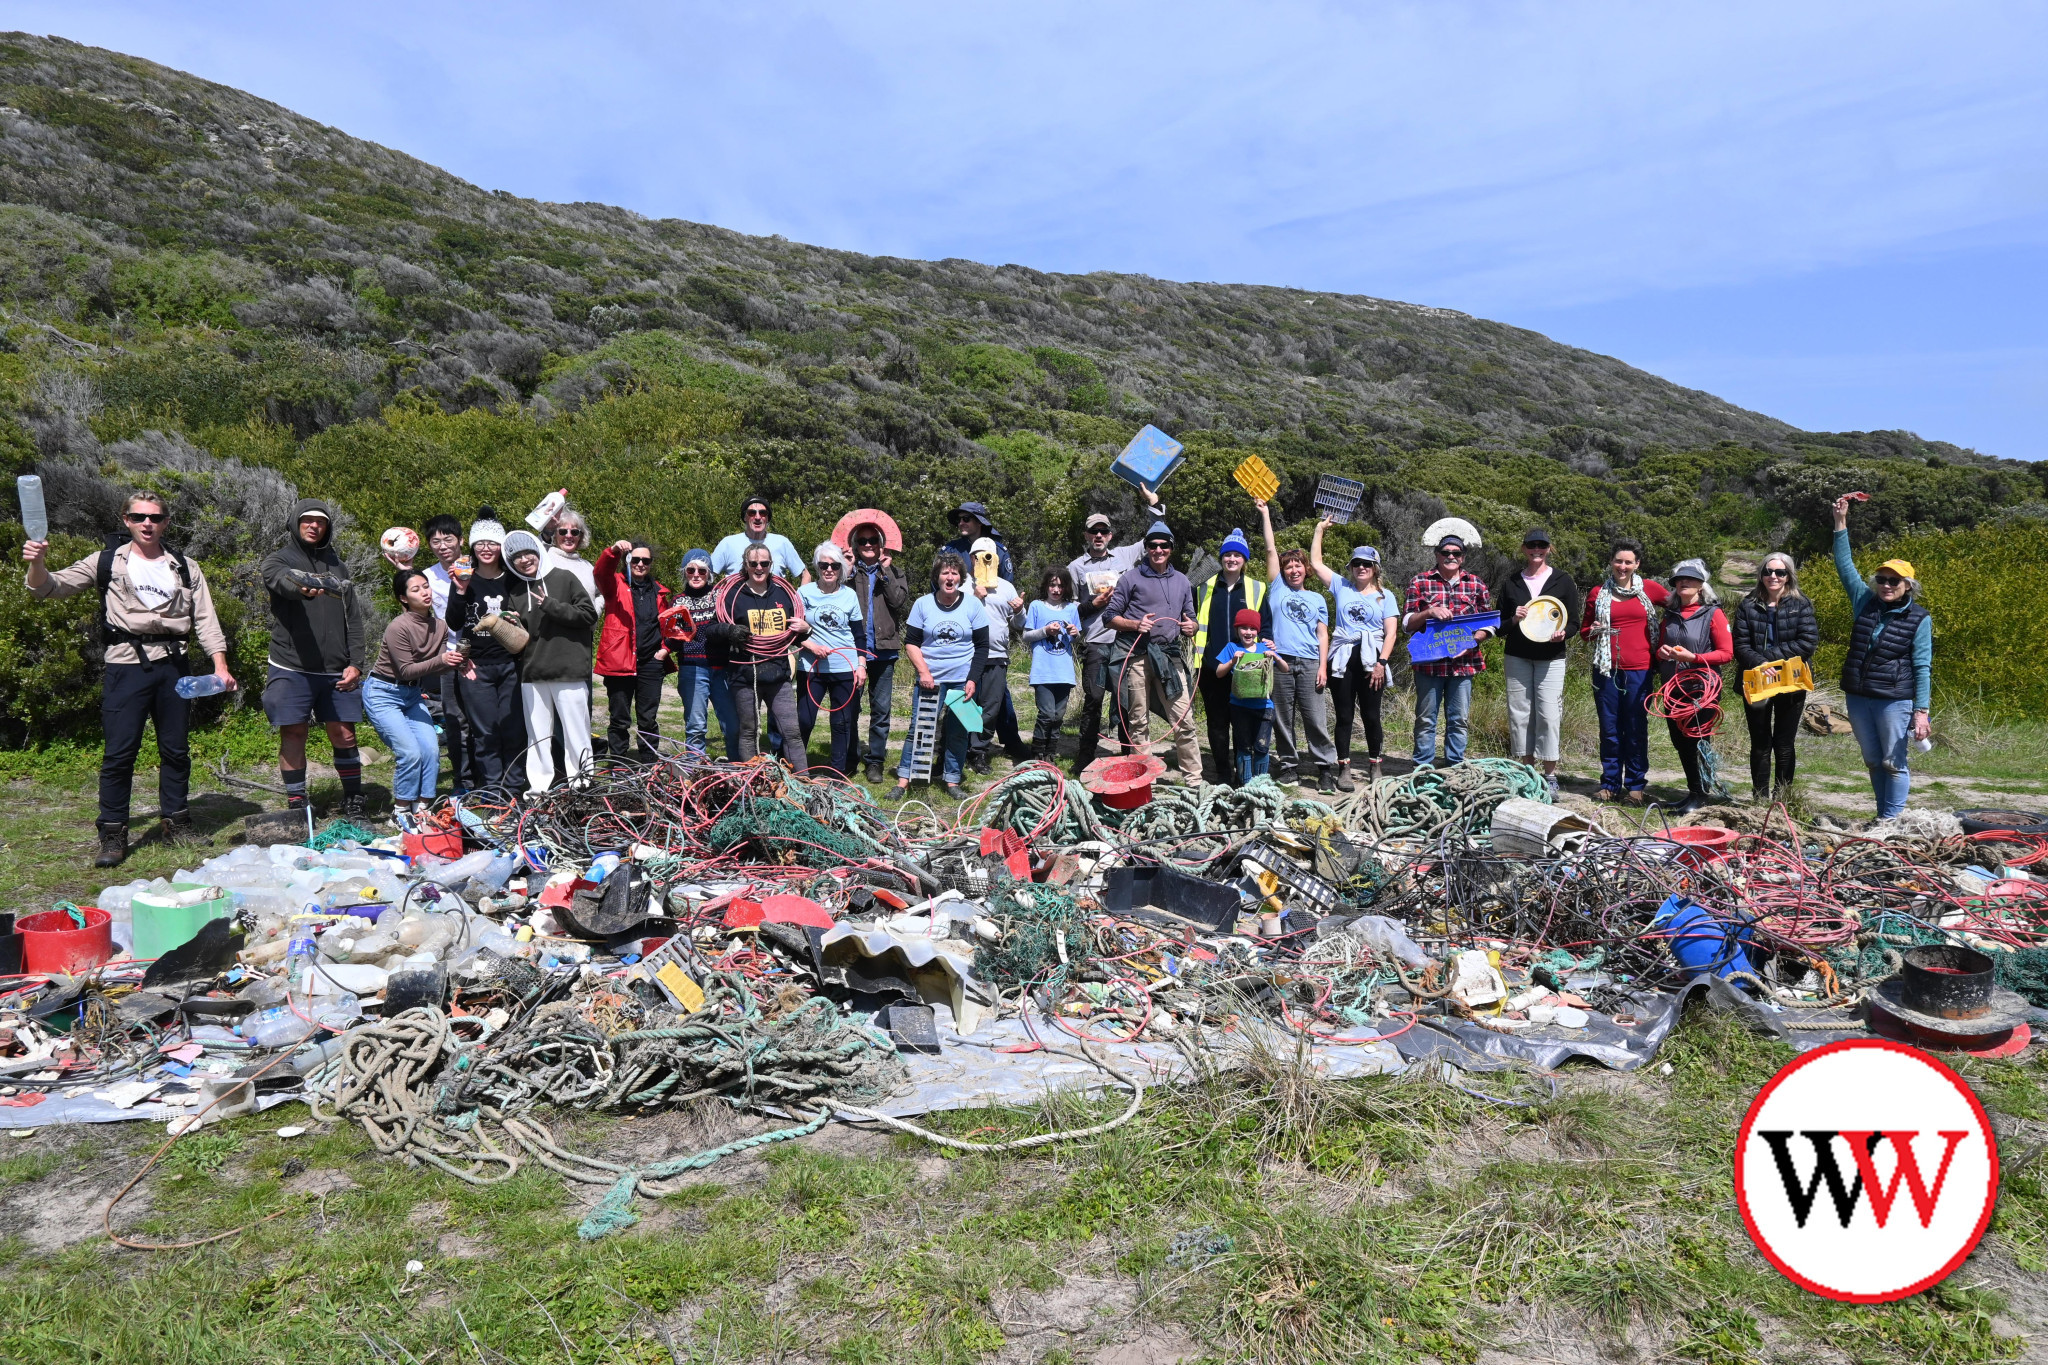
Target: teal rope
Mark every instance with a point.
(614, 1212)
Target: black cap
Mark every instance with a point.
(1536, 535)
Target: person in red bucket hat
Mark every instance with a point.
(1247, 665)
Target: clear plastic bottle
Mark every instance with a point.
(299, 956)
(196, 685)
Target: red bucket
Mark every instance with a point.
(1701, 844)
(50, 942)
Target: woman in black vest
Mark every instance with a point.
(1888, 676)
(1692, 633)
(1774, 622)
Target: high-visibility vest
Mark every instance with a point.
(1205, 596)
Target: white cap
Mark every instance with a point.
(982, 546)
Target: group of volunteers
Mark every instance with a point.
(496, 640)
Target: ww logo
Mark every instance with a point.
(1866, 1171)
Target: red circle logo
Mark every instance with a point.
(1866, 1171)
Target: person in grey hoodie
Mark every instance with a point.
(316, 654)
(560, 620)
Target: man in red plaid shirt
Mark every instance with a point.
(1448, 591)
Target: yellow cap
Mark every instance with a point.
(1903, 568)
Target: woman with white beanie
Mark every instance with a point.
(490, 698)
(554, 666)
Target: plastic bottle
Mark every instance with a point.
(276, 1027)
(35, 518)
(602, 866)
(197, 685)
(299, 956)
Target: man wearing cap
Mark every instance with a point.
(1445, 592)
(316, 654)
(1095, 572)
(971, 520)
(883, 591)
(1152, 610)
(754, 517)
(1217, 603)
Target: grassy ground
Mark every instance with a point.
(1265, 1216)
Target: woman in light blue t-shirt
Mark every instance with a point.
(1361, 648)
(833, 670)
(945, 637)
(1052, 627)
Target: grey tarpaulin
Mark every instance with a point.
(1475, 1047)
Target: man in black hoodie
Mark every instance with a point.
(316, 654)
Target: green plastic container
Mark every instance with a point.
(160, 928)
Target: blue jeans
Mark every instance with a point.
(1624, 728)
(1455, 696)
(400, 714)
(1884, 730)
(697, 685)
(953, 737)
(699, 689)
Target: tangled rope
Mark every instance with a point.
(1429, 801)
(1691, 700)
(424, 1094)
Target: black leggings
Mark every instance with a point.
(1774, 729)
(1688, 757)
(1355, 691)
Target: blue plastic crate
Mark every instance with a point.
(1148, 459)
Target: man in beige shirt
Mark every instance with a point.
(153, 601)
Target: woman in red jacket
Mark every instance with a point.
(1617, 621)
(632, 656)
(1692, 634)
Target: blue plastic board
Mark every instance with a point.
(1440, 640)
(1148, 459)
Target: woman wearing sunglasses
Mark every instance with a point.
(1774, 621)
(1888, 676)
(632, 654)
(567, 538)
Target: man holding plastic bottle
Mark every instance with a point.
(152, 600)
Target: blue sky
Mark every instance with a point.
(1836, 213)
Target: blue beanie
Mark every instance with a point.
(1236, 541)
(693, 556)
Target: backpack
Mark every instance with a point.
(1251, 677)
(103, 578)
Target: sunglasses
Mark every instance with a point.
(1774, 573)
(1450, 554)
(1888, 581)
(697, 569)
(866, 543)
(640, 559)
(568, 533)
(149, 516)
(753, 512)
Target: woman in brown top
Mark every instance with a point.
(416, 648)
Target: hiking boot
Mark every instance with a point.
(353, 807)
(874, 773)
(1693, 801)
(1328, 782)
(1344, 782)
(113, 845)
(177, 831)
